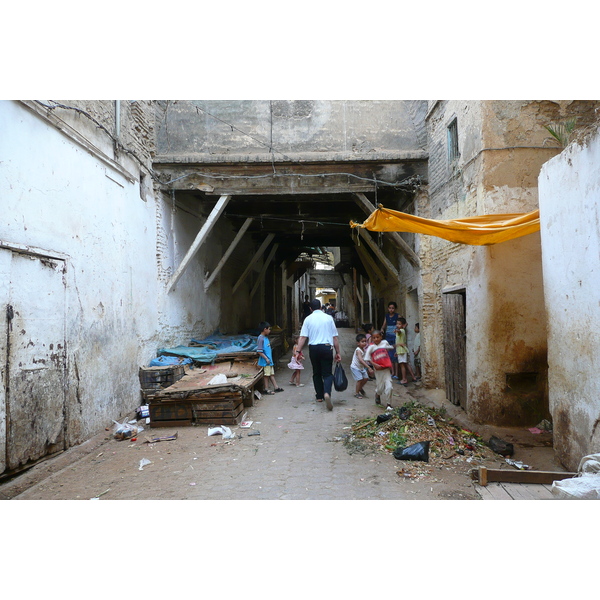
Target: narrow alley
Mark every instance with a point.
(296, 453)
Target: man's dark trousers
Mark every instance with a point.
(321, 359)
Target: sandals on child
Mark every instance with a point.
(278, 390)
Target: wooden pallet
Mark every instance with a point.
(193, 401)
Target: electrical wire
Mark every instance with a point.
(411, 182)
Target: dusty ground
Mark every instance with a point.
(301, 452)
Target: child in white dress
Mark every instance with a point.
(296, 365)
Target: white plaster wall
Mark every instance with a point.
(569, 188)
(56, 195)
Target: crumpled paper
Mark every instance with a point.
(221, 430)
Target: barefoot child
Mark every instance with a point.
(295, 365)
(359, 368)
(377, 355)
(266, 357)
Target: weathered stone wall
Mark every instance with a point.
(502, 146)
(569, 186)
(73, 187)
(324, 128)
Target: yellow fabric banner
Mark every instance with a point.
(475, 231)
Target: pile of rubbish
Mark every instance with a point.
(421, 437)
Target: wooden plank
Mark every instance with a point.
(394, 236)
(200, 239)
(263, 269)
(251, 264)
(216, 415)
(228, 405)
(516, 476)
(380, 255)
(498, 492)
(484, 492)
(517, 491)
(184, 423)
(374, 272)
(538, 491)
(170, 411)
(227, 254)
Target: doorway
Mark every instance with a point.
(32, 358)
(455, 338)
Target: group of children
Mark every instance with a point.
(375, 355)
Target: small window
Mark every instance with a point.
(453, 142)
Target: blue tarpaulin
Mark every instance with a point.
(207, 349)
(161, 361)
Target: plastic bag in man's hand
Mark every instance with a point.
(418, 451)
(340, 381)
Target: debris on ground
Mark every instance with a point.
(501, 447)
(143, 463)
(450, 446)
(221, 430)
(164, 438)
(517, 464)
(126, 430)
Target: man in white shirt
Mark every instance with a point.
(320, 331)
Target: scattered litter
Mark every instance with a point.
(219, 379)
(246, 424)
(279, 418)
(545, 425)
(430, 421)
(102, 494)
(164, 438)
(449, 444)
(382, 418)
(192, 484)
(590, 464)
(586, 486)
(143, 411)
(143, 463)
(501, 447)
(221, 430)
(124, 430)
(535, 430)
(517, 464)
(255, 432)
(418, 451)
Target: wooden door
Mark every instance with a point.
(455, 336)
(33, 357)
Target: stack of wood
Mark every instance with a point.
(193, 400)
(154, 379)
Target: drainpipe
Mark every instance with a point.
(117, 118)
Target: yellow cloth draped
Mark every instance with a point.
(476, 231)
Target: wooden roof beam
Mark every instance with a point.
(200, 239)
(393, 236)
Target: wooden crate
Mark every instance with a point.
(221, 404)
(167, 414)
